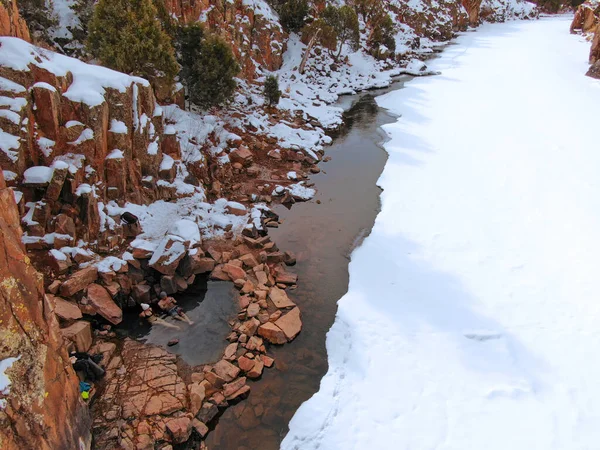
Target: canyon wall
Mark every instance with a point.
(41, 409)
(251, 28)
(587, 22)
(11, 23)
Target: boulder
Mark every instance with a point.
(180, 429)
(226, 370)
(80, 333)
(234, 272)
(197, 394)
(200, 427)
(166, 257)
(241, 155)
(286, 277)
(219, 275)
(78, 281)
(208, 412)
(64, 309)
(234, 386)
(196, 264)
(290, 324)
(168, 284)
(101, 301)
(249, 260)
(141, 293)
(280, 298)
(215, 380)
(272, 333)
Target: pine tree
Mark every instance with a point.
(344, 22)
(126, 35)
(212, 78)
(271, 90)
(292, 15)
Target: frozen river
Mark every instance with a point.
(472, 319)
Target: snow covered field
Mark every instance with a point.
(472, 319)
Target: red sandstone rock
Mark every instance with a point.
(249, 327)
(290, 324)
(219, 274)
(197, 393)
(43, 409)
(141, 293)
(80, 333)
(101, 301)
(64, 309)
(267, 360)
(234, 272)
(214, 379)
(180, 429)
(280, 298)
(200, 427)
(226, 370)
(286, 277)
(169, 253)
(245, 363)
(79, 281)
(253, 310)
(272, 333)
(234, 386)
(230, 351)
(249, 260)
(242, 155)
(256, 370)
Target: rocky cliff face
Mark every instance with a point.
(587, 22)
(41, 408)
(11, 23)
(76, 136)
(437, 20)
(250, 27)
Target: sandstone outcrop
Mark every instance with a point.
(255, 36)
(11, 23)
(42, 408)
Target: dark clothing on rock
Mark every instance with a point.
(88, 366)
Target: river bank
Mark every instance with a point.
(321, 233)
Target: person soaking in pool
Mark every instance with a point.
(169, 304)
(149, 315)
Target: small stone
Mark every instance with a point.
(245, 363)
(267, 360)
(256, 371)
(200, 427)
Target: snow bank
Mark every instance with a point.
(38, 175)
(472, 314)
(89, 81)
